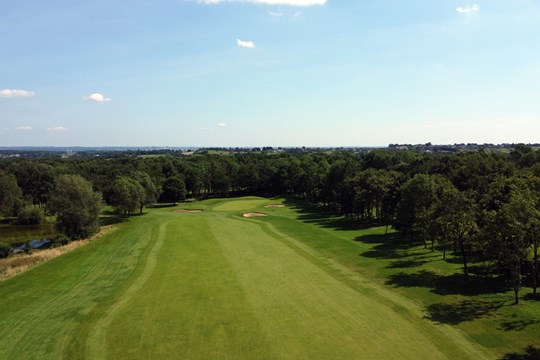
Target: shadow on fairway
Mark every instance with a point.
(531, 353)
(518, 325)
(466, 310)
(455, 284)
(389, 246)
(109, 218)
(326, 217)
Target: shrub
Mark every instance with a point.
(61, 240)
(30, 215)
(5, 250)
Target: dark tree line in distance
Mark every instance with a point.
(475, 204)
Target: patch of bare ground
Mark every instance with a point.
(253, 214)
(272, 206)
(188, 211)
(22, 262)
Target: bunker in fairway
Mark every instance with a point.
(253, 214)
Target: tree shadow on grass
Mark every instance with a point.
(326, 217)
(531, 353)
(518, 325)
(410, 263)
(466, 310)
(532, 297)
(109, 218)
(448, 284)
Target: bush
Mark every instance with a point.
(30, 215)
(5, 250)
(61, 240)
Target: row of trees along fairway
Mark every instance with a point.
(478, 205)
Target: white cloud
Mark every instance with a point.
(23, 128)
(14, 93)
(270, 2)
(469, 9)
(97, 97)
(222, 125)
(245, 44)
(57, 128)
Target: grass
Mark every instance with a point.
(298, 284)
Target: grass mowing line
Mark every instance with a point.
(466, 342)
(22, 332)
(192, 306)
(386, 299)
(95, 344)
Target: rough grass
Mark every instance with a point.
(22, 262)
(293, 285)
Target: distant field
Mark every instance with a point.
(215, 285)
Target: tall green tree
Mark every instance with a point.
(76, 206)
(419, 196)
(174, 189)
(126, 195)
(509, 229)
(10, 194)
(149, 188)
(454, 220)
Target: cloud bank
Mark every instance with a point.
(15, 93)
(97, 97)
(270, 2)
(245, 44)
(469, 9)
(23, 128)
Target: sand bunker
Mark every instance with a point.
(188, 211)
(271, 206)
(253, 214)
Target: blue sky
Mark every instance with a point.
(268, 72)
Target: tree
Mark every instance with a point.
(35, 179)
(535, 242)
(174, 189)
(149, 188)
(454, 220)
(419, 196)
(127, 195)
(30, 215)
(509, 229)
(76, 206)
(10, 194)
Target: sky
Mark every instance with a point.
(268, 72)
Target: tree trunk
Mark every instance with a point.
(516, 279)
(444, 252)
(535, 268)
(463, 256)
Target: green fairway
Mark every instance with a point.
(215, 285)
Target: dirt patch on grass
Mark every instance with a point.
(253, 214)
(273, 206)
(20, 263)
(188, 211)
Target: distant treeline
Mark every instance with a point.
(477, 204)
